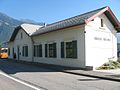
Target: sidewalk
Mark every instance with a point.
(108, 75)
(113, 75)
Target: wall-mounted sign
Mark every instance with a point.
(103, 39)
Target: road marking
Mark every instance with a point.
(26, 84)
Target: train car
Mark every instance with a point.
(3, 53)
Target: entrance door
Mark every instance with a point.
(18, 52)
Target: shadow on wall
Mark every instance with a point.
(14, 66)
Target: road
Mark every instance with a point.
(52, 80)
(9, 84)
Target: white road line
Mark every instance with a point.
(26, 84)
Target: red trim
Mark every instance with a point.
(113, 16)
(96, 15)
(101, 12)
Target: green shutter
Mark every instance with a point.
(37, 50)
(62, 50)
(55, 53)
(9, 51)
(23, 51)
(34, 50)
(46, 51)
(74, 46)
(40, 50)
(26, 51)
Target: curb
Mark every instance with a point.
(94, 76)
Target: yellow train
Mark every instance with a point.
(3, 53)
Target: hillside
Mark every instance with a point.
(7, 25)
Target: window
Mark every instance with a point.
(102, 23)
(21, 35)
(25, 51)
(50, 50)
(69, 49)
(38, 50)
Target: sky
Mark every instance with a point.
(50, 11)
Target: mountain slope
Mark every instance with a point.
(7, 26)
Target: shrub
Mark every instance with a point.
(110, 65)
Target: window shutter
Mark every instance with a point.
(46, 51)
(74, 46)
(26, 51)
(101, 22)
(40, 50)
(23, 51)
(34, 50)
(62, 49)
(37, 50)
(55, 53)
(9, 51)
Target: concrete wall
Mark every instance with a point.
(100, 42)
(75, 33)
(20, 42)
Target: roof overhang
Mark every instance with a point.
(15, 33)
(108, 12)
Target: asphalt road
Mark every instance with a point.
(8, 84)
(52, 80)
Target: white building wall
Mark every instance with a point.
(95, 44)
(76, 33)
(100, 42)
(20, 42)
